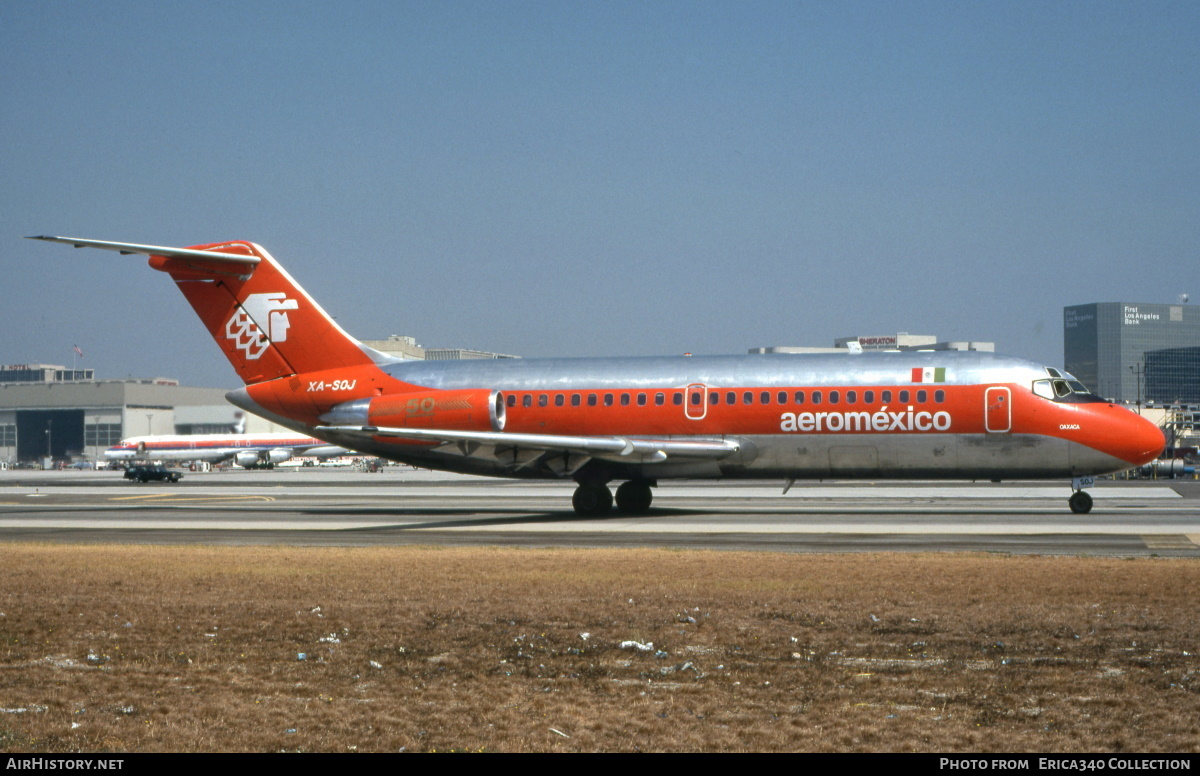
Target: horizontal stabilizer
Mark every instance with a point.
(151, 250)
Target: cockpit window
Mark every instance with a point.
(1063, 388)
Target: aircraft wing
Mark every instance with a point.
(526, 450)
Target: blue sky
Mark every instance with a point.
(607, 178)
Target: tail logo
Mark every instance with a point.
(260, 320)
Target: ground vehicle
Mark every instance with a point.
(149, 472)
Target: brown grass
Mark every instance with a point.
(134, 648)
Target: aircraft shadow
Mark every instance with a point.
(506, 518)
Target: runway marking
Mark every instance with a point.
(175, 498)
(1171, 541)
(144, 495)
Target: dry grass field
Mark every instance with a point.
(135, 648)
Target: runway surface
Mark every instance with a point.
(343, 507)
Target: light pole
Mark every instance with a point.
(1138, 370)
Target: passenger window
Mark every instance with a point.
(939, 396)
(677, 398)
(558, 400)
(834, 397)
(782, 397)
(730, 397)
(624, 400)
(851, 397)
(527, 400)
(697, 397)
(904, 397)
(608, 400)
(922, 396)
(660, 398)
(512, 400)
(543, 399)
(868, 397)
(747, 398)
(886, 397)
(765, 397)
(714, 398)
(641, 400)
(591, 400)
(816, 397)
(574, 400)
(799, 397)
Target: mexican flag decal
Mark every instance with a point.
(929, 374)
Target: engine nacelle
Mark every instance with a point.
(263, 459)
(467, 410)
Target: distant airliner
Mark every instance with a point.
(891, 415)
(257, 451)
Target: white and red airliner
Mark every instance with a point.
(897, 415)
(250, 451)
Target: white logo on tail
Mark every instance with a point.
(261, 320)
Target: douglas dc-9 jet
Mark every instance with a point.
(877, 415)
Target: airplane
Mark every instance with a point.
(258, 451)
(878, 415)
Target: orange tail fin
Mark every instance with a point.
(263, 321)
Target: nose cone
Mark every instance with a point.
(1138, 441)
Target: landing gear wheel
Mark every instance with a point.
(634, 497)
(1081, 503)
(592, 500)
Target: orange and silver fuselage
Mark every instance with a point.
(883, 415)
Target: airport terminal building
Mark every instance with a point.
(1135, 353)
(49, 411)
(899, 341)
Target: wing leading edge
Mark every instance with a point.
(526, 449)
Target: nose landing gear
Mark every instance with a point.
(1081, 502)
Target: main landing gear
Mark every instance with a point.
(1081, 503)
(592, 500)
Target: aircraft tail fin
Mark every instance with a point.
(263, 321)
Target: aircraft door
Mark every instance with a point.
(997, 410)
(695, 401)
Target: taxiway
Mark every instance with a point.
(311, 506)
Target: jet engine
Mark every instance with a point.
(264, 459)
(467, 410)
